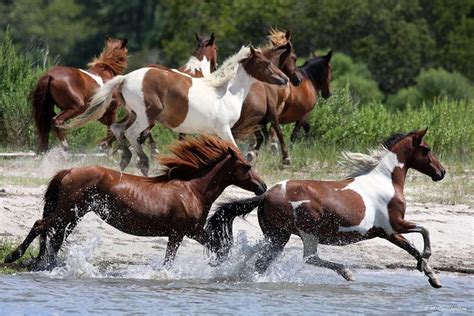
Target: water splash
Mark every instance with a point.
(54, 160)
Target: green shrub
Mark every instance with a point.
(433, 84)
(339, 122)
(18, 74)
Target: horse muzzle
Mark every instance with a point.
(261, 188)
(439, 176)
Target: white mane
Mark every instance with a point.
(228, 69)
(359, 164)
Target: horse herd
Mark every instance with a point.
(250, 88)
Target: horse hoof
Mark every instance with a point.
(347, 274)
(155, 153)
(274, 148)
(286, 161)
(434, 281)
(8, 259)
(251, 156)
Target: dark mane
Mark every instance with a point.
(113, 57)
(314, 69)
(192, 155)
(395, 138)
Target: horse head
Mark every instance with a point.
(262, 69)
(243, 175)
(319, 70)
(206, 47)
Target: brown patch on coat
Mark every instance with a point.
(166, 97)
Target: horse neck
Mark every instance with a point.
(305, 93)
(307, 73)
(211, 184)
(239, 85)
(393, 169)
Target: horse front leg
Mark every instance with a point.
(422, 265)
(174, 242)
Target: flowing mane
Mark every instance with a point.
(228, 69)
(275, 37)
(190, 155)
(113, 57)
(359, 164)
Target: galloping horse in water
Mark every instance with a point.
(371, 203)
(71, 88)
(175, 204)
(209, 105)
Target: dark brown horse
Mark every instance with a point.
(266, 104)
(175, 204)
(71, 88)
(371, 203)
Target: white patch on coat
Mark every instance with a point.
(132, 92)
(181, 73)
(296, 204)
(283, 186)
(376, 190)
(95, 77)
(214, 109)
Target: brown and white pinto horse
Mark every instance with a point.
(71, 88)
(277, 105)
(369, 204)
(202, 62)
(175, 204)
(209, 105)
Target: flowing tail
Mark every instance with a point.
(219, 225)
(43, 111)
(98, 104)
(40, 227)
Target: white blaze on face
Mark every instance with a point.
(96, 78)
(205, 66)
(376, 190)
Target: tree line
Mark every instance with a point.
(396, 39)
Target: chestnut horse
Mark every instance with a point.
(268, 104)
(371, 203)
(175, 204)
(209, 105)
(71, 88)
(202, 62)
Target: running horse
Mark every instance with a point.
(71, 88)
(370, 203)
(209, 105)
(202, 62)
(277, 105)
(175, 204)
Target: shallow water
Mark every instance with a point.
(300, 289)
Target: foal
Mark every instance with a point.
(175, 204)
(369, 204)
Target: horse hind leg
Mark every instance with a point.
(310, 255)
(171, 248)
(118, 129)
(39, 227)
(133, 133)
(273, 247)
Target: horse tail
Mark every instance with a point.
(51, 198)
(219, 226)
(43, 110)
(99, 103)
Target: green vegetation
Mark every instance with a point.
(6, 247)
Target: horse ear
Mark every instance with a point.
(422, 132)
(211, 40)
(124, 43)
(107, 38)
(288, 35)
(197, 37)
(232, 152)
(328, 56)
